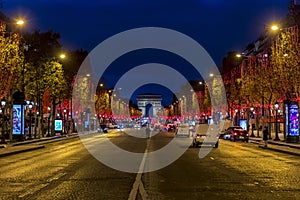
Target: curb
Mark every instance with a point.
(22, 150)
(280, 150)
(35, 141)
(283, 144)
(43, 140)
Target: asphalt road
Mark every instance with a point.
(66, 170)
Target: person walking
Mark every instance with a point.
(265, 136)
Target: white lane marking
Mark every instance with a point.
(138, 185)
(142, 191)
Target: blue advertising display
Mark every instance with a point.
(293, 120)
(243, 124)
(58, 125)
(18, 119)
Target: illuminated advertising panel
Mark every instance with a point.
(243, 124)
(287, 118)
(18, 119)
(293, 120)
(58, 125)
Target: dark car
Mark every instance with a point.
(235, 133)
(171, 128)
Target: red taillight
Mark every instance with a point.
(247, 134)
(235, 134)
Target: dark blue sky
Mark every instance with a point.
(218, 25)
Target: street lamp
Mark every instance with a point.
(65, 110)
(62, 56)
(274, 27)
(236, 116)
(276, 106)
(3, 103)
(252, 122)
(49, 114)
(30, 107)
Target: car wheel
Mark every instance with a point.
(234, 139)
(247, 141)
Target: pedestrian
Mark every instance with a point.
(148, 130)
(265, 136)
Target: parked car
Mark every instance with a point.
(226, 134)
(235, 133)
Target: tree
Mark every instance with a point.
(286, 64)
(43, 72)
(11, 59)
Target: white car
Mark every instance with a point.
(184, 130)
(204, 136)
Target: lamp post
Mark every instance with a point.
(3, 103)
(49, 114)
(65, 110)
(252, 122)
(30, 107)
(236, 116)
(276, 106)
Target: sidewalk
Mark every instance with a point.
(29, 145)
(279, 146)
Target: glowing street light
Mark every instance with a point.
(274, 27)
(238, 55)
(62, 56)
(20, 22)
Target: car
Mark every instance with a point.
(158, 126)
(103, 128)
(206, 134)
(226, 134)
(235, 133)
(184, 130)
(171, 127)
(112, 125)
(137, 126)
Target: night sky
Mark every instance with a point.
(218, 25)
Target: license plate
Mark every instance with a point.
(241, 137)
